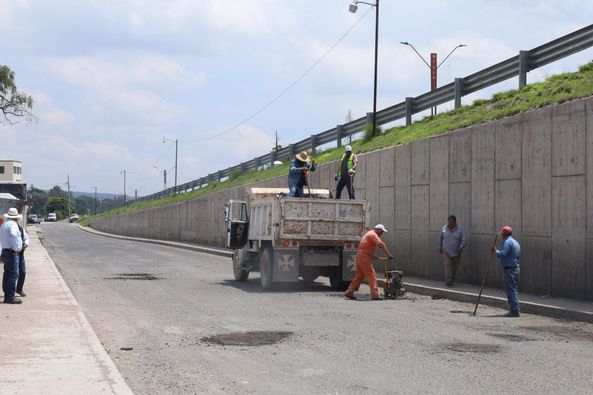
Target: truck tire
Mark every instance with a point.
(335, 279)
(241, 274)
(309, 274)
(266, 268)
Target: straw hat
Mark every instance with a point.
(303, 156)
(12, 214)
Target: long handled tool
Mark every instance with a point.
(308, 186)
(485, 275)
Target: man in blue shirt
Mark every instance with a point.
(12, 244)
(451, 244)
(297, 175)
(509, 255)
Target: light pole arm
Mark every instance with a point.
(451, 53)
(364, 2)
(417, 53)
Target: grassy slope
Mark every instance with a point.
(556, 89)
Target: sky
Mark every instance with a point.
(110, 79)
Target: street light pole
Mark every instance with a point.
(176, 141)
(95, 208)
(353, 8)
(433, 67)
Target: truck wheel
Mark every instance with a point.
(335, 279)
(266, 268)
(241, 274)
(309, 274)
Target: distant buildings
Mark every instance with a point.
(11, 171)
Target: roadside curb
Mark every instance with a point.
(185, 246)
(445, 293)
(494, 301)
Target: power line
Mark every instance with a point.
(296, 81)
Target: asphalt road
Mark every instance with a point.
(337, 346)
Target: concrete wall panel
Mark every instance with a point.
(589, 154)
(508, 148)
(537, 173)
(460, 154)
(482, 209)
(508, 205)
(387, 167)
(386, 214)
(420, 162)
(589, 268)
(569, 268)
(402, 187)
(420, 206)
(536, 265)
(439, 181)
(402, 252)
(569, 206)
(372, 188)
(569, 139)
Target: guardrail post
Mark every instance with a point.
(409, 108)
(523, 68)
(272, 158)
(256, 163)
(292, 152)
(458, 91)
(242, 167)
(313, 144)
(339, 135)
(369, 117)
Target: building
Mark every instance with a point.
(11, 171)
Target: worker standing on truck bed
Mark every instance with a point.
(297, 176)
(364, 262)
(346, 172)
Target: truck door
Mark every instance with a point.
(236, 217)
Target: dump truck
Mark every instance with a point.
(286, 238)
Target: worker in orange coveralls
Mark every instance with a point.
(364, 262)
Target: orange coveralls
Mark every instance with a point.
(364, 263)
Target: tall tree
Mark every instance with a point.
(13, 104)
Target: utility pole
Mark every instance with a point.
(176, 141)
(95, 208)
(124, 173)
(135, 194)
(276, 146)
(164, 179)
(68, 183)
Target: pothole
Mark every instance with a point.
(252, 338)
(133, 276)
(473, 348)
(509, 337)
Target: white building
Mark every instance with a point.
(11, 171)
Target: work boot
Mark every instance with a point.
(350, 295)
(22, 294)
(449, 283)
(13, 301)
(512, 314)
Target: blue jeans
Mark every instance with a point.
(345, 182)
(22, 273)
(11, 274)
(511, 277)
(295, 191)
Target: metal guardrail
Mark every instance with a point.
(518, 65)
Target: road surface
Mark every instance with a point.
(162, 314)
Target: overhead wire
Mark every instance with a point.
(277, 97)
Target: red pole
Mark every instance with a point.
(433, 77)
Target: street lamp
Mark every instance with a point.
(433, 67)
(176, 141)
(353, 8)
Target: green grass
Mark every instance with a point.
(555, 89)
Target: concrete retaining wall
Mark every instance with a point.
(533, 171)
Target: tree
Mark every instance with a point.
(56, 191)
(37, 201)
(57, 205)
(13, 104)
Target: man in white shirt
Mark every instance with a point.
(12, 244)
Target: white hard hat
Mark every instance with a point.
(348, 148)
(381, 227)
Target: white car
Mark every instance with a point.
(52, 217)
(74, 218)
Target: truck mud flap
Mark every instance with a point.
(286, 265)
(348, 265)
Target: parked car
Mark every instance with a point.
(74, 218)
(33, 219)
(52, 217)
